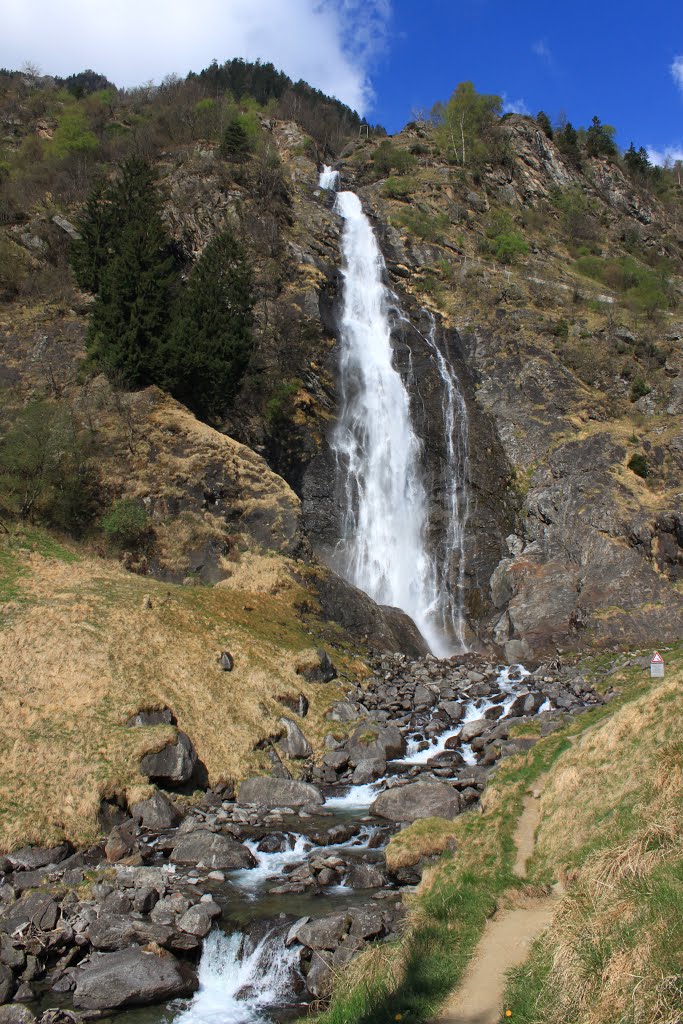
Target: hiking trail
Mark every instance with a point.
(507, 937)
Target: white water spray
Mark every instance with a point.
(384, 546)
(237, 989)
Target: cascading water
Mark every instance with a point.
(237, 988)
(384, 547)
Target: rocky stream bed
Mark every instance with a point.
(244, 905)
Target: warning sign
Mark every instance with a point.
(656, 666)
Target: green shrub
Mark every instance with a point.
(639, 389)
(507, 247)
(638, 465)
(398, 188)
(126, 523)
(278, 405)
(560, 329)
(428, 227)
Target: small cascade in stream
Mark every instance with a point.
(384, 548)
(235, 988)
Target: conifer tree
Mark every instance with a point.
(136, 283)
(235, 143)
(210, 345)
(91, 253)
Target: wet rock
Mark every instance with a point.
(278, 793)
(294, 744)
(131, 977)
(317, 668)
(368, 771)
(212, 850)
(157, 813)
(417, 800)
(366, 876)
(24, 994)
(174, 764)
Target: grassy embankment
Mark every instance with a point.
(81, 650)
(611, 829)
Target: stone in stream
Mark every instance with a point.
(368, 770)
(278, 792)
(471, 730)
(294, 744)
(337, 759)
(323, 933)
(417, 800)
(197, 921)
(370, 742)
(212, 850)
(131, 977)
(111, 931)
(366, 876)
(453, 709)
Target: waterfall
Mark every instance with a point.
(455, 484)
(384, 545)
(235, 988)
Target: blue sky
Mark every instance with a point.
(614, 58)
(603, 57)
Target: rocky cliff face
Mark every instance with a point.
(566, 545)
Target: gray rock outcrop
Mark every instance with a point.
(417, 800)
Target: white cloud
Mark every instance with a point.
(542, 50)
(514, 106)
(677, 72)
(330, 43)
(666, 156)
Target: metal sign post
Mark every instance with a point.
(657, 666)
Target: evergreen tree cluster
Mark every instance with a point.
(148, 325)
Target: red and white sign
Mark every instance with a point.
(656, 659)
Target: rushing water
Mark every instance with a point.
(227, 975)
(384, 548)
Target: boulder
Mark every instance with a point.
(174, 764)
(120, 842)
(131, 977)
(157, 813)
(196, 921)
(29, 858)
(319, 977)
(453, 709)
(38, 909)
(212, 850)
(114, 931)
(471, 730)
(298, 704)
(337, 759)
(14, 1014)
(316, 667)
(366, 876)
(278, 792)
(6, 983)
(146, 718)
(417, 800)
(371, 742)
(368, 771)
(323, 933)
(294, 744)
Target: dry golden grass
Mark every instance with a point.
(428, 837)
(79, 654)
(613, 825)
